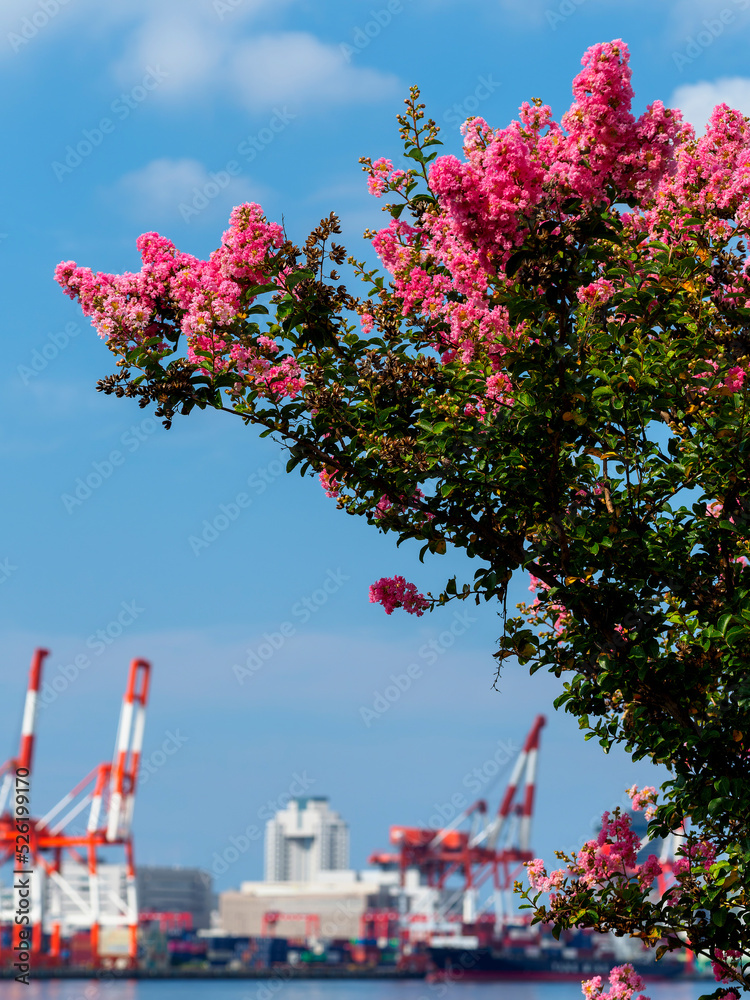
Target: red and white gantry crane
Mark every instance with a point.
(475, 847)
(70, 890)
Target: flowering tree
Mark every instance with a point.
(551, 377)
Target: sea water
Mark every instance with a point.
(276, 989)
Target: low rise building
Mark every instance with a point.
(330, 908)
(163, 889)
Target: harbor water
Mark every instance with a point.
(307, 990)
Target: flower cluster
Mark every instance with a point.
(611, 858)
(538, 611)
(384, 178)
(486, 202)
(394, 592)
(613, 855)
(624, 981)
(330, 484)
(701, 854)
(175, 293)
(718, 966)
(538, 878)
(645, 799)
(598, 293)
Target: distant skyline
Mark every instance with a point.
(122, 539)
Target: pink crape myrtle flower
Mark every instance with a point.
(384, 177)
(735, 379)
(720, 974)
(650, 870)
(538, 878)
(716, 509)
(597, 293)
(329, 483)
(702, 853)
(385, 504)
(394, 592)
(645, 799)
(624, 981)
(203, 298)
(508, 175)
(613, 855)
(562, 615)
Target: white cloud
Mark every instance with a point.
(189, 54)
(165, 190)
(38, 17)
(209, 50)
(297, 67)
(697, 100)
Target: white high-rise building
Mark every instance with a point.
(305, 839)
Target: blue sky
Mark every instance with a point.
(132, 116)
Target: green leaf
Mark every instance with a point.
(723, 622)
(294, 279)
(735, 634)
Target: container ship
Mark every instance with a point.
(519, 955)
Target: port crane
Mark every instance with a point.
(56, 851)
(478, 847)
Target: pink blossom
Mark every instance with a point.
(643, 798)
(613, 855)
(384, 178)
(703, 853)
(646, 873)
(329, 483)
(395, 592)
(735, 379)
(624, 982)
(719, 972)
(716, 510)
(538, 878)
(597, 293)
(203, 298)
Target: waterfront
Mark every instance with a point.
(310, 990)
